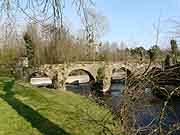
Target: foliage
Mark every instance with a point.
(154, 52)
(29, 49)
(174, 49)
(138, 51)
(8, 55)
(9, 59)
(168, 61)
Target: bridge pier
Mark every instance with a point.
(107, 78)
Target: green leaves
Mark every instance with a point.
(29, 49)
(174, 50)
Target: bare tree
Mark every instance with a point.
(47, 10)
(97, 24)
(157, 30)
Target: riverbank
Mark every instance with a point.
(26, 110)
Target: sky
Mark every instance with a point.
(132, 21)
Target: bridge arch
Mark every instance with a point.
(89, 73)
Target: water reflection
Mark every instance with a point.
(83, 89)
(116, 89)
(147, 116)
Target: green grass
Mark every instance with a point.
(26, 110)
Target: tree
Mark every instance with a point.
(168, 61)
(29, 49)
(49, 14)
(97, 24)
(141, 51)
(153, 53)
(138, 51)
(174, 49)
(42, 11)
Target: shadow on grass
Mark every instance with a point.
(45, 126)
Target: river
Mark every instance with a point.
(146, 114)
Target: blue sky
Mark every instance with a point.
(132, 21)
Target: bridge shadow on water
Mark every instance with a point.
(45, 126)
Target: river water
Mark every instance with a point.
(85, 89)
(145, 115)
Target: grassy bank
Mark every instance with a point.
(26, 110)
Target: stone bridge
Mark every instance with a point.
(62, 71)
